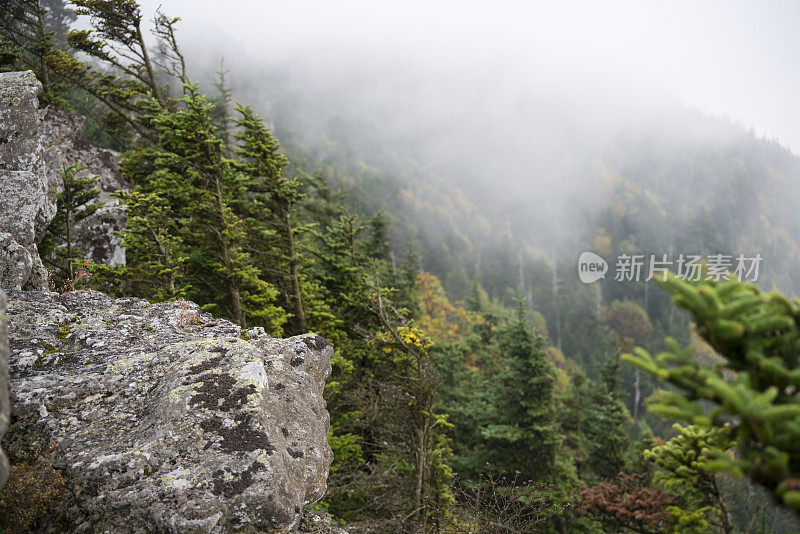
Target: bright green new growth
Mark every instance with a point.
(753, 388)
(686, 472)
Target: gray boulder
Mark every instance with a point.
(163, 419)
(5, 404)
(23, 182)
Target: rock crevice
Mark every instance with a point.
(35, 145)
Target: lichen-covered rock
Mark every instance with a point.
(163, 419)
(20, 267)
(318, 523)
(23, 182)
(63, 138)
(5, 403)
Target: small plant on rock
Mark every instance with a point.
(74, 203)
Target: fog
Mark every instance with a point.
(521, 106)
(518, 83)
(729, 58)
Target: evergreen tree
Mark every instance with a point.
(74, 203)
(276, 198)
(121, 70)
(405, 279)
(342, 268)
(116, 39)
(59, 19)
(377, 242)
(573, 406)
(686, 473)
(524, 435)
(605, 425)
(223, 101)
(32, 33)
(413, 402)
(188, 171)
(477, 297)
(753, 389)
(155, 251)
(630, 326)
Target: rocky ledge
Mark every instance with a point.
(35, 146)
(160, 418)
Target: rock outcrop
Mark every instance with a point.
(5, 403)
(34, 146)
(163, 419)
(62, 135)
(23, 182)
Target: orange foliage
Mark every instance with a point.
(439, 318)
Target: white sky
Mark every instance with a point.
(730, 58)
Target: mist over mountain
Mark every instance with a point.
(474, 153)
(503, 175)
(521, 108)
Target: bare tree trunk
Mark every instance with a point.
(238, 315)
(299, 312)
(637, 396)
(69, 243)
(420, 476)
(556, 283)
(148, 65)
(167, 263)
(233, 287)
(68, 206)
(726, 524)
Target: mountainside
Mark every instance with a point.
(511, 196)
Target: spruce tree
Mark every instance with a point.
(116, 38)
(605, 425)
(223, 101)
(685, 470)
(155, 251)
(187, 169)
(276, 198)
(32, 34)
(405, 280)
(753, 388)
(74, 203)
(525, 434)
(122, 71)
